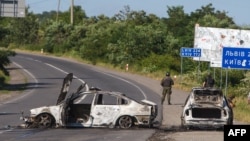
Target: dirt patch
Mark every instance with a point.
(16, 84)
(160, 135)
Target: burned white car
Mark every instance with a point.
(206, 108)
(92, 108)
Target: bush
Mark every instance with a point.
(2, 79)
(155, 63)
(241, 110)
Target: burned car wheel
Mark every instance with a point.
(44, 121)
(125, 122)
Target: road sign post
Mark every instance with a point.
(189, 52)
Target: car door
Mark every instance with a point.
(77, 109)
(105, 110)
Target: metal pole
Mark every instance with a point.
(221, 78)
(0, 8)
(72, 7)
(226, 82)
(58, 7)
(199, 70)
(181, 70)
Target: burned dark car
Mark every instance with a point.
(206, 108)
(92, 107)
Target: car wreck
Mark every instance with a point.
(92, 107)
(206, 108)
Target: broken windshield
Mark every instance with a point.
(213, 96)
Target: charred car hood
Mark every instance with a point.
(65, 88)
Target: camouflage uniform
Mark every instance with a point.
(166, 84)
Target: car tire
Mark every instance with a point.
(44, 121)
(125, 122)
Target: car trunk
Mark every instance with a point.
(208, 104)
(206, 113)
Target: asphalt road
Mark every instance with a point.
(44, 79)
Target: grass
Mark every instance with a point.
(7, 88)
(242, 109)
(4, 79)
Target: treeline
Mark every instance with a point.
(146, 42)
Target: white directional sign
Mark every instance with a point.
(215, 63)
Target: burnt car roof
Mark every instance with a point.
(207, 95)
(207, 91)
(65, 89)
(94, 90)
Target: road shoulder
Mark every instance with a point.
(16, 84)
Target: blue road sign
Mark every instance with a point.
(190, 52)
(236, 58)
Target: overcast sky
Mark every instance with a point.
(238, 10)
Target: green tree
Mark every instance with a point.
(78, 15)
(24, 30)
(207, 16)
(4, 31)
(177, 24)
(56, 37)
(96, 41)
(4, 54)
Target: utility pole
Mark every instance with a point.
(58, 7)
(72, 9)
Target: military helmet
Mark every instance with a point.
(167, 74)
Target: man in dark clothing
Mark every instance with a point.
(209, 81)
(166, 84)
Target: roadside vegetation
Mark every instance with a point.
(4, 60)
(148, 44)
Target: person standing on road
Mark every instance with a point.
(208, 81)
(166, 84)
